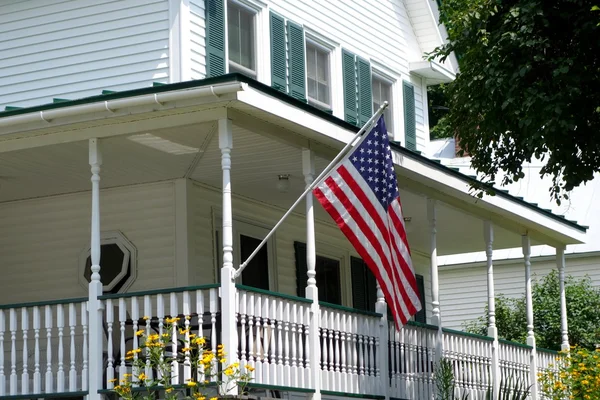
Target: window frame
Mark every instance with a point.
(328, 51)
(334, 51)
(257, 8)
(382, 79)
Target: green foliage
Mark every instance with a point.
(576, 376)
(438, 108)
(583, 314)
(445, 384)
(529, 86)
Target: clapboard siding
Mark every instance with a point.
(41, 240)
(330, 241)
(460, 306)
(197, 39)
(73, 49)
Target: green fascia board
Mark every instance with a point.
(352, 395)
(108, 91)
(12, 108)
(237, 77)
(62, 395)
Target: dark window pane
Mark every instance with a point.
(256, 273)
(328, 280)
(111, 264)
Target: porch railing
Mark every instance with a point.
(43, 346)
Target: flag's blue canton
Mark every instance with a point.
(373, 160)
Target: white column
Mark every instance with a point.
(488, 235)
(228, 295)
(383, 350)
(526, 244)
(564, 326)
(436, 318)
(312, 292)
(95, 286)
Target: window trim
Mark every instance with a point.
(335, 66)
(128, 249)
(385, 78)
(319, 104)
(262, 56)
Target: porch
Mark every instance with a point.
(360, 352)
(185, 182)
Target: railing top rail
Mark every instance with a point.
(516, 344)
(543, 350)
(422, 325)
(43, 303)
(468, 334)
(274, 294)
(350, 310)
(159, 291)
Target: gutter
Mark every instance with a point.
(121, 103)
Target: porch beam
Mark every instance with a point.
(228, 290)
(526, 245)
(95, 286)
(564, 326)
(488, 235)
(312, 292)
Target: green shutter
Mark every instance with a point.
(364, 286)
(410, 126)
(278, 53)
(349, 78)
(365, 95)
(301, 268)
(297, 88)
(421, 316)
(215, 38)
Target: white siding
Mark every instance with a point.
(459, 305)
(330, 241)
(197, 39)
(41, 239)
(73, 49)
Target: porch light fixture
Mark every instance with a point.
(407, 224)
(164, 145)
(283, 183)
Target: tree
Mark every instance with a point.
(528, 87)
(583, 314)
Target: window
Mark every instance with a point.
(117, 263)
(258, 268)
(241, 36)
(317, 74)
(382, 91)
(328, 275)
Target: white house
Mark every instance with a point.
(583, 259)
(192, 164)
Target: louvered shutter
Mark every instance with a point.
(364, 286)
(278, 53)
(410, 127)
(215, 37)
(301, 268)
(297, 88)
(365, 95)
(349, 78)
(421, 316)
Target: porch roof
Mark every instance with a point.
(257, 101)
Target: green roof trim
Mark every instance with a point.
(237, 77)
(59, 100)
(108, 91)
(158, 84)
(353, 395)
(62, 395)
(11, 108)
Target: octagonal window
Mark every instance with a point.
(117, 263)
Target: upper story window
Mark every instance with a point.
(382, 91)
(317, 76)
(241, 39)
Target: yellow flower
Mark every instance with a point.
(200, 341)
(184, 331)
(192, 335)
(129, 358)
(113, 380)
(191, 383)
(186, 349)
(140, 333)
(169, 390)
(187, 317)
(228, 372)
(127, 375)
(250, 368)
(213, 398)
(223, 360)
(146, 318)
(142, 377)
(172, 320)
(165, 335)
(153, 337)
(136, 351)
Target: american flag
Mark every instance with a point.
(361, 195)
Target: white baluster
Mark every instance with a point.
(148, 319)
(37, 376)
(331, 352)
(13, 351)
(110, 368)
(295, 340)
(243, 332)
(122, 319)
(213, 308)
(160, 311)
(286, 340)
(187, 364)
(306, 314)
(25, 329)
(135, 316)
(250, 313)
(258, 349)
(343, 346)
(324, 351)
(84, 349)
(277, 305)
(2, 377)
(336, 349)
(72, 352)
(48, 324)
(272, 308)
(200, 333)
(264, 337)
(174, 350)
(60, 324)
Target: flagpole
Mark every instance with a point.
(366, 127)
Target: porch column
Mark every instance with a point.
(564, 327)
(228, 295)
(488, 235)
(312, 292)
(529, 305)
(382, 347)
(436, 317)
(95, 286)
